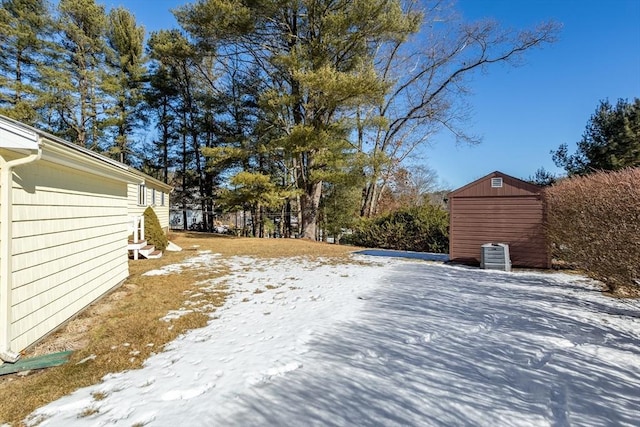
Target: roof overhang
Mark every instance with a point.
(532, 188)
(59, 154)
(151, 181)
(18, 137)
(14, 137)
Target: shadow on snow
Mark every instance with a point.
(442, 346)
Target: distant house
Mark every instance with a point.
(65, 217)
(498, 208)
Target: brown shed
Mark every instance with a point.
(498, 208)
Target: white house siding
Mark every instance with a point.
(69, 245)
(162, 211)
(1, 254)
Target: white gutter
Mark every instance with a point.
(6, 249)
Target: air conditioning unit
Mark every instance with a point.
(495, 256)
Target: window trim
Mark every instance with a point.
(142, 195)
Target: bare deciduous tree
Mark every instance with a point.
(428, 77)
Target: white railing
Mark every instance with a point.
(138, 229)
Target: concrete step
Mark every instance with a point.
(142, 248)
(136, 246)
(148, 249)
(154, 255)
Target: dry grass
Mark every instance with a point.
(120, 331)
(261, 248)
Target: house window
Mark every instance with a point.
(162, 198)
(153, 197)
(496, 182)
(142, 195)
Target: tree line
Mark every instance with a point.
(307, 108)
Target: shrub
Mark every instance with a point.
(153, 232)
(419, 228)
(594, 223)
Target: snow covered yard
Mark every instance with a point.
(382, 342)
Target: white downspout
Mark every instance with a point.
(6, 250)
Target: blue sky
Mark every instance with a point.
(522, 113)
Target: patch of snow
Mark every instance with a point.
(205, 258)
(86, 359)
(426, 256)
(175, 314)
(390, 342)
(172, 247)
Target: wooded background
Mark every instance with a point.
(299, 108)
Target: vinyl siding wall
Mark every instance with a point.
(1, 254)
(137, 209)
(69, 245)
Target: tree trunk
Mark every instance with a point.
(366, 200)
(184, 179)
(184, 216)
(121, 137)
(205, 216)
(199, 173)
(287, 219)
(165, 144)
(371, 197)
(261, 222)
(18, 86)
(209, 176)
(245, 232)
(309, 203)
(210, 215)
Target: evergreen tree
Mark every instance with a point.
(187, 70)
(75, 98)
(161, 98)
(340, 204)
(318, 59)
(126, 40)
(24, 28)
(611, 140)
(251, 191)
(543, 178)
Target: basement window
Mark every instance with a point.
(496, 182)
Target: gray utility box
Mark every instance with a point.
(495, 256)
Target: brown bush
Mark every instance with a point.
(594, 223)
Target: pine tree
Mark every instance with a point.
(179, 61)
(74, 79)
(126, 40)
(24, 28)
(611, 140)
(319, 64)
(161, 104)
(252, 191)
